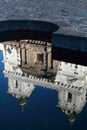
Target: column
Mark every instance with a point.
(45, 59)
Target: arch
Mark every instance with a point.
(69, 98)
(27, 29)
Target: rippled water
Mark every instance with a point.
(71, 12)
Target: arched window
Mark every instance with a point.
(16, 84)
(69, 97)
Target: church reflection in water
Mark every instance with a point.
(29, 63)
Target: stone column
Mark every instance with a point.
(27, 56)
(45, 59)
(23, 55)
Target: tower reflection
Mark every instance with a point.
(72, 91)
(29, 63)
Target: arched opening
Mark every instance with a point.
(16, 84)
(69, 98)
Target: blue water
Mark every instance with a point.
(40, 113)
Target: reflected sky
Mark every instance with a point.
(39, 92)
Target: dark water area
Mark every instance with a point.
(29, 101)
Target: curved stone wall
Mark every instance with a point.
(44, 31)
(26, 29)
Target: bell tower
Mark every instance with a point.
(72, 83)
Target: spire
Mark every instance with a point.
(71, 123)
(72, 118)
(22, 102)
(22, 108)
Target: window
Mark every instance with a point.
(40, 57)
(76, 66)
(16, 84)
(9, 50)
(69, 97)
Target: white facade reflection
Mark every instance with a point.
(20, 89)
(72, 80)
(29, 63)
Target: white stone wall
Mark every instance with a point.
(70, 69)
(21, 89)
(77, 103)
(1, 47)
(12, 59)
